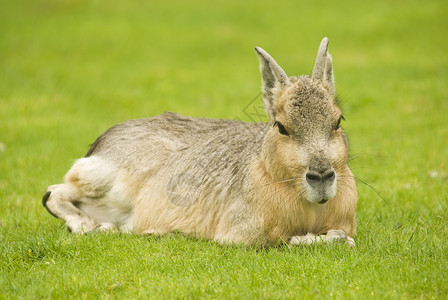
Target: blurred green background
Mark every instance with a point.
(70, 69)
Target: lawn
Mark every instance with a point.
(71, 69)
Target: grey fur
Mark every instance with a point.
(321, 60)
(273, 79)
(323, 68)
(226, 180)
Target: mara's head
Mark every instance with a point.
(304, 145)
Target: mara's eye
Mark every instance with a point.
(281, 128)
(338, 125)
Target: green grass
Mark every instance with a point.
(71, 69)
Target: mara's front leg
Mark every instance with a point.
(332, 236)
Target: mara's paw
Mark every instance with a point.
(333, 236)
(338, 236)
(107, 227)
(82, 224)
(304, 240)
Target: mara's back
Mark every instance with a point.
(145, 145)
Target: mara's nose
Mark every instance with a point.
(314, 177)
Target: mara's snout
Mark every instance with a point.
(321, 185)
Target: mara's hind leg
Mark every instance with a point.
(87, 181)
(60, 201)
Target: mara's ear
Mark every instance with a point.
(273, 79)
(323, 68)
